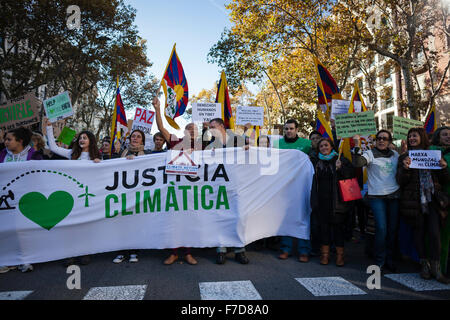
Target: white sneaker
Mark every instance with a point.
(133, 258)
(119, 259)
(26, 267)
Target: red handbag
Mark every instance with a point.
(350, 190)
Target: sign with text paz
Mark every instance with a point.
(143, 120)
(401, 127)
(252, 115)
(425, 159)
(350, 124)
(19, 112)
(180, 162)
(58, 107)
(205, 112)
(342, 106)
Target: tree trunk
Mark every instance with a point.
(409, 88)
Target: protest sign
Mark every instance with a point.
(350, 124)
(425, 159)
(57, 209)
(252, 115)
(66, 136)
(58, 107)
(19, 112)
(339, 107)
(181, 162)
(205, 112)
(143, 120)
(401, 127)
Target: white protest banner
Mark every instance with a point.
(52, 210)
(143, 120)
(19, 112)
(205, 112)
(339, 107)
(425, 159)
(252, 115)
(58, 107)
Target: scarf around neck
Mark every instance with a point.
(328, 157)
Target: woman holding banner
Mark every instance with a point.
(383, 194)
(83, 148)
(134, 149)
(421, 203)
(326, 200)
(17, 148)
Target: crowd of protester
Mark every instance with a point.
(393, 192)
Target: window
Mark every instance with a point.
(360, 85)
(387, 74)
(389, 121)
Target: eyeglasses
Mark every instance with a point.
(382, 139)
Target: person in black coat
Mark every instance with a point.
(419, 204)
(326, 200)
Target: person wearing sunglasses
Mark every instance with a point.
(383, 194)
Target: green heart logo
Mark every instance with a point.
(46, 212)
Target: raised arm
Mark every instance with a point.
(159, 121)
(66, 153)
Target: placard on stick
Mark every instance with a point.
(350, 124)
(205, 112)
(401, 127)
(425, 159)
(58, 107)
(252, 115)
(19, 112)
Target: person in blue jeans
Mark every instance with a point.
(383, 194)
(291, 140)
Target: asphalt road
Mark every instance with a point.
(264, 278)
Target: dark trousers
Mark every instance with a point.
(315, 231)
(331, 232)
(428, 227)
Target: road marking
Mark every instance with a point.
(116, 293)
(329, 286)
(14, 295)
(415, 282)
(228, 290)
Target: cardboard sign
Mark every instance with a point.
(205, 112)
(58, 107)
(425, 159)
(252, 115)
(19, 112)
(402, 126)
(66, 136)
(350, 124)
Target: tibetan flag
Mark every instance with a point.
(322, 125)
(356, 96)
(175, 88)
(327, 89)
(119, 119)
(223, 98)
(430, 121)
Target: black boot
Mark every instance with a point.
(425, 271)
(436, 272)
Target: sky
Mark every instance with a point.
(195, 26)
